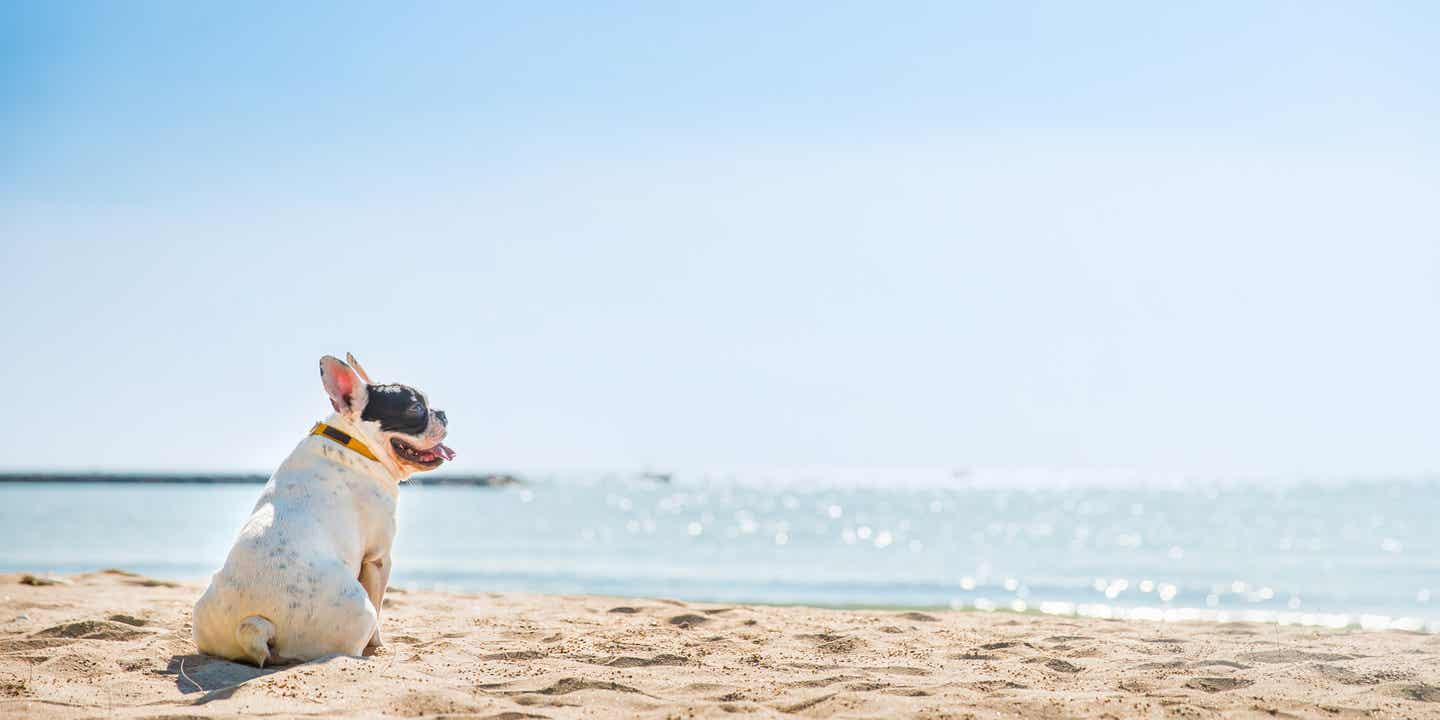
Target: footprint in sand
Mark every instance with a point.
(42, 580)
(919, 617)
(432, 702)
(867, 686)
(1417, 692)
(1291, 655)
(841, 645)
(998, 645)
(71, 665)
(824, 682)
(805, 704)
(543, 701)
(1178, 664)
(906, 692)
(92, 630)
(1343, 675)
(1134, 686)
(565, 686)
(899, 670)
(515, 655)
(21, 645)
(152, 582)
(700, 687)
(15, 689)
(989, 686)
(834, 643)
(1217, 684)
(1219, 663)
(749, 708)
(1167, 665)
(629, 661)
(688, 620)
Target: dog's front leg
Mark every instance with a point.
(375, 577)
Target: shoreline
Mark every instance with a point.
(1159, 614)
(113, 644)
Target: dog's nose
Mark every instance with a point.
(441, 414)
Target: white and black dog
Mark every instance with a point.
(307, 575)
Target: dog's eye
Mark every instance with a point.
(417, 410)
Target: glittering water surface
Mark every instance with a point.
(1324, 553)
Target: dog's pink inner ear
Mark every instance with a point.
(340, 383)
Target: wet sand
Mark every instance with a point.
(116, 645)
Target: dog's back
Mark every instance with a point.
(289, 589)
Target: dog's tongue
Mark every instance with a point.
(443, 451)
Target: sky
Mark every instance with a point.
(660, 235)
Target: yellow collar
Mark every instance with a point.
(343, 438)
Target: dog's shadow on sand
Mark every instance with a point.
(218, 679)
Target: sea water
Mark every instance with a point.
(1320, 552)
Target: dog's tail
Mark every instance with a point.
(255, 634)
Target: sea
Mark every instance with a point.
(1330, 552)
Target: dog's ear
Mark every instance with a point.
(350, 359)
(346, 390)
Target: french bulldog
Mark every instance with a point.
(307, 576)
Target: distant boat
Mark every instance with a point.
(658, 477)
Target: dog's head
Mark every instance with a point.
(395, 419)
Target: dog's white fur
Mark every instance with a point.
(307, 576)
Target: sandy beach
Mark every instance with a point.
(117, 645)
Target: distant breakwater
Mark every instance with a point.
(488, 480)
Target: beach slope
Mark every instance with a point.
(116, 645)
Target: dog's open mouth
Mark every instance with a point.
(427, 459)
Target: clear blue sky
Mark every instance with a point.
(602, 235)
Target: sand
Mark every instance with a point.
(113, 645)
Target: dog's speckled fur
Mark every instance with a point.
(307, 575)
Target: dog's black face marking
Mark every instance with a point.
(398, 408)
